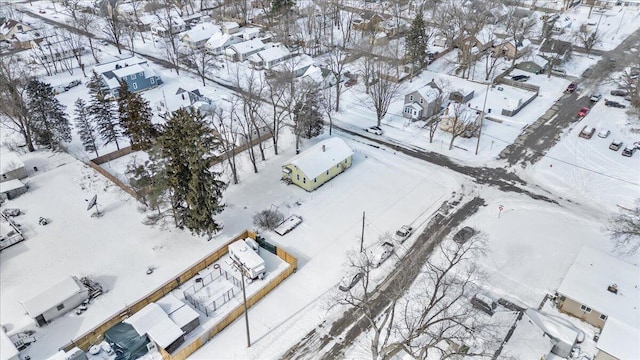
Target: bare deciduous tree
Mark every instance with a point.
(224, 122)
(13, 80)
(383, 91)
(336, 64)
(588, 39)
(200, 61)
(114, 27)
(624, 228)
(459, 120)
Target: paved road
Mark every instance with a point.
(353, 323)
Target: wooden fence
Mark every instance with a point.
(96, 334)
(112, 155)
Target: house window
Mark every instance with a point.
(133, 76)
(603, 317)
(135, 85)
(153, 80)
(585, 309)
(327, 172)
(315, 180)
(298, 177)
(345, 161)
(60, 307)
(410, 97)
(304, 180)
(421, 101)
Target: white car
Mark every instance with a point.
(374, 130)
(604, 133)
(381, 253)
(403, 233)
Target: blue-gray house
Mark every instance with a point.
(134, 70)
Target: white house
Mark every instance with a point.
(527, 342)
(219, 42)
(602, 290)
(241, 51)
(197, 37)
(56, 300)
(180, 313)
(460, 118)
(269, 57)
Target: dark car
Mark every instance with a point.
(464, 234)
(628, 151)
(347, 284)
(521, 78)
(619, 92)
(572, 87)
(614, 104)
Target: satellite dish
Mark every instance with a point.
(92, 202)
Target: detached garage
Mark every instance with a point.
(318, 164)
(56, 300)
(11, 167)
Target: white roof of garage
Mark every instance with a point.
(9, 161)
(154, 322)
(53, 296)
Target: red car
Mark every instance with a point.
(572, 87)
(350, 83)
(583, 112)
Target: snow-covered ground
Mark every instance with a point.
(531, 244)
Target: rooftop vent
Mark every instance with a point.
(613, 288)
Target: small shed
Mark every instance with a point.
(180, 313)
(318, 164)
(56, 300)
(11, 167)
(157, 325)
(12, 189)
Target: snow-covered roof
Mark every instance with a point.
(154, 322)
(9, 161)
(248, 46)
(202, 32)
(183, 316)
(527, 342)
(429, 93)
(128, 70)
(217, 40)
(273, 53)
(11, 185)
(246, 254)
(463, 113)
(170, 303)
(619, 339)
(589, 277)
(53, 296)
(414, 106)
(7, 349)
(321, 157)
(557, 328)
(122, 63)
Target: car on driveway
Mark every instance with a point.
(572, 87)
(614, 104)
(403, 233)
(374, 130)
(595, 97)
(628, 151)
(604, 133)
(583, 112)
(464, 234)
(615, 145)
(347, 284)
(381, 253)
(587, 132)
(619, 92)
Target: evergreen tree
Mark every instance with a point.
(307, 116)
(150, 181)
(417, 41)
(187, 146)
(282, 6)
(102, 111)
(86, 128)
(49, 123)
(135, 118)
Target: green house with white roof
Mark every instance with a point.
(318, 164)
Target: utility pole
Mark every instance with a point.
(486, 95)
(362, 235)
(238, 266)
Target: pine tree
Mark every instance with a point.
(48, 119)
(187, 146)
(417, 41)
(135, 118)
(102, 111)
(307, 116)
(282, 6)
(86, 128)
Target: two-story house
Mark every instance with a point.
(422, 103)
(511, 48)
(134, 71)
(197, 37)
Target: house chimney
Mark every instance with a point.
(613, 288)
(324, 147)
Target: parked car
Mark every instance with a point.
(72, 84)
(587, 73)
(559, 72)
(347, 284)
(587, 132)
(619, 92)
(583, 112)
(595, 97)
(614, 104)
(381, 253)
(403, 233)
(572, 87)
(637, 144)
(464, 234)
(604, 133)
(628, 151)
(484, 303)
(615, 145)
(521, 78)
(374, 130)
(350, 82)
